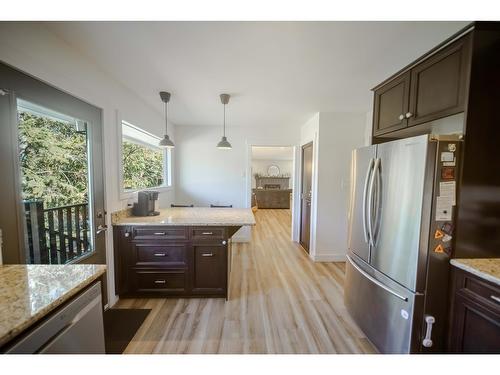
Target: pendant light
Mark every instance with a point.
(166, 142)
(224, 143)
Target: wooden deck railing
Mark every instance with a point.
(56, 235)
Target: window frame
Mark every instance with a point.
(167, 157)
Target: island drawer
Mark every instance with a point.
(159, 233)
(160, 281)
(208, 233)
(165, 255)
(479, 288)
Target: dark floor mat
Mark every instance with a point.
(120, 326)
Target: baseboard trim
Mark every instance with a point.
(329, 257)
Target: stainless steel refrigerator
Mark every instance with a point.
(401, 227)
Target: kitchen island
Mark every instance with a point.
(29, 294)
(184, 251)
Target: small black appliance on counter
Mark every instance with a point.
(146, 204)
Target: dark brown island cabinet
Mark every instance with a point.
(475, 314)
(457, 83)
(172, 260)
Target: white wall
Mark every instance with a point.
(260, 166)
(33, 49)
(339, 134)
(335, 135)
(205, 174)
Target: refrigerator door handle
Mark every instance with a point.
(375, 281)
(378, 199)
(365, 193)
(370, 202)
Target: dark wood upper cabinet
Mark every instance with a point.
(438, 84)
(461, 75)
(391, 105)
(431, 88)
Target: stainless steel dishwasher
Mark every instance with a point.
(77, 328)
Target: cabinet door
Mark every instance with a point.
(122, 252)
(391, 105)
(438, 84)
(210, 269)
(475, 327)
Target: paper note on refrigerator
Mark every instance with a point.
(443, 208)
(448, 189)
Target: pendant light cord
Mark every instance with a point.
(224, 120)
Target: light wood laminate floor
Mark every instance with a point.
(279, 302)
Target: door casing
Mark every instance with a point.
(17, 84)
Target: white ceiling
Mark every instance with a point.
(278, 73)
(272, 153)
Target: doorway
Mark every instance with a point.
(306, 196)
(52, 167)
(272, 172)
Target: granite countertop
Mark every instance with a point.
(199, 216)
(29, 292)
(488, 269)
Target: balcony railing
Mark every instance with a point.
(56, 235)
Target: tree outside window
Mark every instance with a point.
(144, 163)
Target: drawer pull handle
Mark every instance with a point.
(160, 233)
(160, 282)
(160, 255)
(207, 254)
(207, 233)
(495, 298)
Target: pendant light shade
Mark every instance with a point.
(224, 143)
(166, 142)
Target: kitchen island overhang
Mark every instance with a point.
(184, 251)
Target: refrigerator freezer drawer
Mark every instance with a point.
(384, 314)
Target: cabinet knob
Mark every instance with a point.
(127, 234)
(224, 242)
(409, 114)
(401, 117)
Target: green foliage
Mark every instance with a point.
(53, 158)
(142, 166)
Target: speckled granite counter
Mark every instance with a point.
(189, 216)
(488, 269)
(30, 292)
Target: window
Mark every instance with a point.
(144, 164)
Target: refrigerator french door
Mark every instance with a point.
(390, 290)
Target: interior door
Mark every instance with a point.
(400, 174)
(306, 196)
(362, 163)
(52, 169)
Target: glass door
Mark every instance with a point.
(53, 171)
(54, 161)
